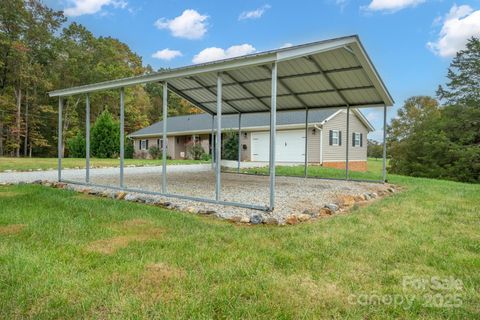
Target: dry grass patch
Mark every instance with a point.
(136, 230)
(157, 283)
(10, 194)
(11, 228)
(302, 289)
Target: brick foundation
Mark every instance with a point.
(352, 165)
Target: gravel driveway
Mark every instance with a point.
(293, 195)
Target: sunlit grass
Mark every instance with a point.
(63, 256)
(24, 164)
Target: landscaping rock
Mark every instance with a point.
(61, 185)
(332, 207)
(130, 197)
(120, 195)
(325, 212)
(303, 217)
(271, 221)
(374, 195)
(347, 200)
(311, 213)
(367, 196)
(391, 190)
(256, 219)
(359, 198)
(245, 219)
(191, 210)
(236, 219)
(292, 219)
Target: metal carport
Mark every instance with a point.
(330, 73)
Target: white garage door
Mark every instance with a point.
(289, 146)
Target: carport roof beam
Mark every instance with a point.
(345, 69)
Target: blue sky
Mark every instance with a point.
(411, 42)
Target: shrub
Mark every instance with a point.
(195, 152)
(230, 146)
(206, 157)
(105, 137)
(76, 146)
(155, 152)
(129, 149)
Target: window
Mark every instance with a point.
(357, 139)
(143, 144)
(335, 137)
(160, 143)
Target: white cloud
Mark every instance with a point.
(166, 54)
(392, 5)
(81, 7)
(373, 116)
(254, 14)
(190, 25)
(341, 3)
(286, 45)
(214, 53)
(459, 25)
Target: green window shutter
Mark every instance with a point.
(361, 139)
(353, 139)
(330, 137)
(339, 138)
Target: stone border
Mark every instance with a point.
(342, 205)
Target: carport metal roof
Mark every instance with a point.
(326, 74)
(330, 73)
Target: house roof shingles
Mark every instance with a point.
(203, 122)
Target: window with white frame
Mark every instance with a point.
(357, 139)
(335, 137)
(143, 144)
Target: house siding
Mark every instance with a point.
(337, 153)
(333, 156)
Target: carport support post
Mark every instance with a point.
(87, 139)
(239, 140)
(347, 141)
(212, 141)
(384, 171)
(164, 137)
(60, 108)
(122, 134)
(273, 127)
(218, 145)
(306, 143)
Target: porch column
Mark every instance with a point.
(87, 139)
(218, 145)
(306, 143)
(273, 127)
(164, 137)
(384, 169)
(347, 142)
(122, 134)
(239, 141)
(60, 124)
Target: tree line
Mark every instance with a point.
(41, 51)
(440, 137)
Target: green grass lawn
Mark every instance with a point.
(24, 164)
(67, 255)
(374, 171)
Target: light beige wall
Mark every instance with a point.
(205, 142)
(245, 139)
(337, 153)
(313, 145)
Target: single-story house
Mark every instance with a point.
(326, 136)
